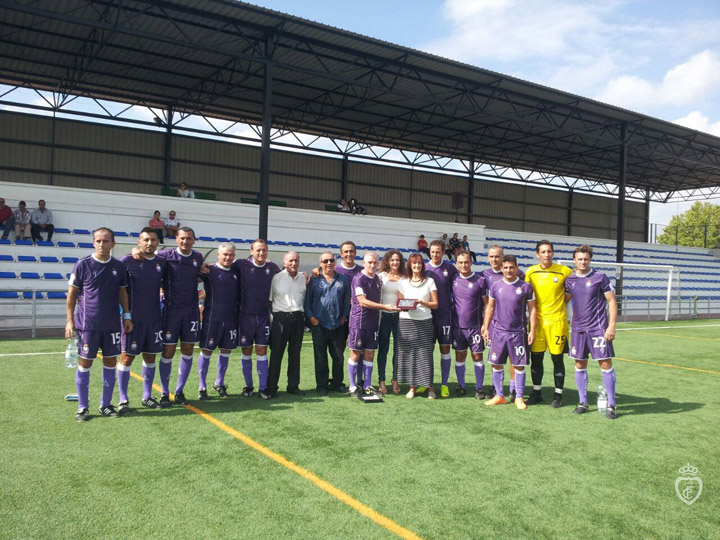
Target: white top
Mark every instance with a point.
(389, 291)
(171, 222)
(186, 193)
(286, 293)
(417, 291)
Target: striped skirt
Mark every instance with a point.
(416, 343)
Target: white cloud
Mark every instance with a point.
(700, 122)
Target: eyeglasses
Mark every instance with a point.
(328, 261)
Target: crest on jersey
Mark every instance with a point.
(267, 271)
(518, 291)
(195, 264)
(168, 335)
(157, 267)
(134, 345)
(573, 351)
(114, 272)
(243, 339)
(470, 285)
(555, 280)
(445, 273)
(587, 283)
(359, 342)
(86, 348)
(494, 356)
(212, 341)
(234, 276)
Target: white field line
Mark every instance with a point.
(666, 327)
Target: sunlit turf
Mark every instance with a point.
(443, 469)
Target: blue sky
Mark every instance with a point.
(660, 58)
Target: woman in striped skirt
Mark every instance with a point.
(416, 341)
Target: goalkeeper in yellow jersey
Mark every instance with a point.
(548, 283)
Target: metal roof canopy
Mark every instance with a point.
(231, 60)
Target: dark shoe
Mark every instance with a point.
(82, 415)
(295, 392)
(124, 408)
(248, 391)
(480, 394)
(221, 389)
(203, 395)
(535, 398)
(165, 401)
(611, 413)
(180, 398)
(557, 401)
(322, 391)
(151, 403)
(356, 393)
(581, 409)
(341, 389)
(460, 391)
(108, 411)
(266, 394)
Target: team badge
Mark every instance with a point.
(470, 285)
(195, 264)
(494, 356)
(359, 342)
(267, 271)
(234, 277)
(555, 280)
(688, 488)
(518, 291)
(445, 273)
(574, 351)
(157, 267)
(212, 341)
(114, 272)
(86, 348)
(134, 345)
(243, 339)
(168, 335)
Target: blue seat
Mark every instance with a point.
(85, 245)
(53, 275)
(44, 243)
(237, 240)
(29, 275)
(62, 230)
(71, 260)
(7, 258)
(23, 242)
(5, 241)
(7, 275)
(206, 238)
(66, 244)
(135, 234)
(26, 258)
(57, 294)
(80, 231)
(29, 294)
(221, 239)
(121, 234)
(48, 259)
(8, 294)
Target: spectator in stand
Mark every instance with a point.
(454, 244)
(7, 219)
(446, 246)
(343, 206)
(171, 224)
(355, 208)
(423, 245)
(157, 224)
(22, 222)
(466, 247)
(41, 219)
(184, 192)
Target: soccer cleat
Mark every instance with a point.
(82, 415)
(444, 391)
(265, 394)
(479, 393)
(180, 398)
(557, 401)
(203, 395)
(356, 392)
(496, 400)
(460, 391)
(535, 398)
(431, 393)
(421, 389)
(611, 412)
(108, 411)
(123, 408)
(512, 396)
(221, 389)
(410, 394)
(248, 391)
(151, 403)
(580, 409)
(165, 401)
(520, 404)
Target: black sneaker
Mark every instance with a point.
(180, 398)
(295, 392)
(265, 394)
(248, 391)
(164, 401)
(460, 391)
(581, 408)
(557, 401)
(221, 389)
(340, 389)
(151, 403)
(124, 408)
(356, 393)
(108, 411)
(611, 413)
(322, 391)
(480, 393)
(82, 415)
(535, 398)
(202, 395)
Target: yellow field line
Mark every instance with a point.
(668, 365)
(677, 336)
(363, 509)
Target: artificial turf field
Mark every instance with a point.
(437, 469)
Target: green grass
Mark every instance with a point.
(443, 469)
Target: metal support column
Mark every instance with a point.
(648, 237)
(471, 192)
(52, 147)
(343, 188)
(571, 203)
(620, 248)
(264, 193)
(167, 171)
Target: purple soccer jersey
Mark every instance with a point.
(182, 275)
(363, 318)
(588, 300)
(144, 281)
(468, 303)
(255, 284)
(349, 272)
(510, 303)
(98, 285)
(221, 293)
(443, 276)
(491, 276)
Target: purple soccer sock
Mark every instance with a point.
(581, 380)
(165, 371)
(367, 373)
(609, 382)
(519, 383)
(223, 361)
(82, 383)
(108, 379)
(479, 374)
(512, 385)
(460, 373)
(445, 363)
(123, 379)
(498, 381)
(203, 365)
(262, 370)
(352, 373)
(183, 372)
(246, 362)
(148, 373)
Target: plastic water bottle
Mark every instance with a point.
(71, 352)
(602, 400)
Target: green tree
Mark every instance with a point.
(698, 227)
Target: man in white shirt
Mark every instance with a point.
(287, 296)
(172, 225)
(184, 192)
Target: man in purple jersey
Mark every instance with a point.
(347, 267)
(99, 283)
(507, 300)
(219, 325)
(491, 275)
(182, 314)
(469, 301)
(364, 322)
(145, 279)
(592, 331)
(443, 273)
(255, 275)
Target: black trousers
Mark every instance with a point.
(332, 341)
(35, 231)
(286, 332)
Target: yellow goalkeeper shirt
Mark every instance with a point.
(549, 287)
